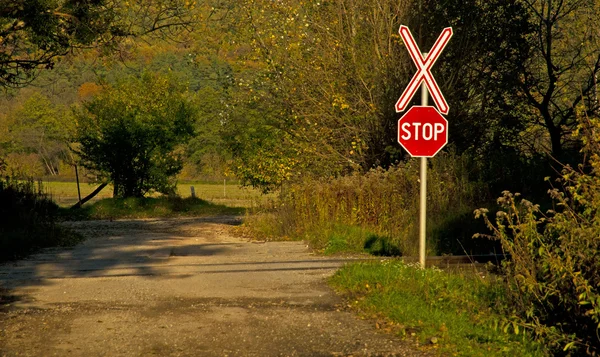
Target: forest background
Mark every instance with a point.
(289, 90)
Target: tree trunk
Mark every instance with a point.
(556, 142)
(90, 196)
(116, 185)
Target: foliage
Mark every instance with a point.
(320, 98)
(461, 311)
(40, 129)
(129, 134)
(205, 150)
(384, 203)
(516, 71)
(477, 75)
(321, 92)
(33, 33)
(553, 277)
(29, 220)
(254, 137)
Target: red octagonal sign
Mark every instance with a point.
(422, 131)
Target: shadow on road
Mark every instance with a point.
(154, 249)
(136, 247)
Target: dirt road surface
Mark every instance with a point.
(180, 287)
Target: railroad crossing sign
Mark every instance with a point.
(424, 69)
(422, 131)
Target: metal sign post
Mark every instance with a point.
(423, 203)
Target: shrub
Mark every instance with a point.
(553, 276)
(28, 220)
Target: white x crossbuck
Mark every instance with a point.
(424, 69)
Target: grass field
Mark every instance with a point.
(232, 195)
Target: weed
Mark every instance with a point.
(553, 277)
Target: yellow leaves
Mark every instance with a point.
(190, 4)
(339, 102)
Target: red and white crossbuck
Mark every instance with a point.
(424, 69)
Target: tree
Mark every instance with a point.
(206, 154)
(130, 134)
(34, 33)
(476, 71)
(560, 77)
(489, 116)
(41, 128)
(319, 96)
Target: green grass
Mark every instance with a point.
(232, 195)
(463, 311)
(328, 239)
(149, 207)
(340, 238)
(65, 193)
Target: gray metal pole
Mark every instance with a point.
(423, 205)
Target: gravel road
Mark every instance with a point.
(180, 287)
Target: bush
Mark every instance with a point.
(553, 276)
(131, 135)
(28, 220)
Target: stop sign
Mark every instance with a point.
(422, 131)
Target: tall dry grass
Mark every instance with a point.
(383, 202)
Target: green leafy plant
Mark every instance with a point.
(461, 311)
